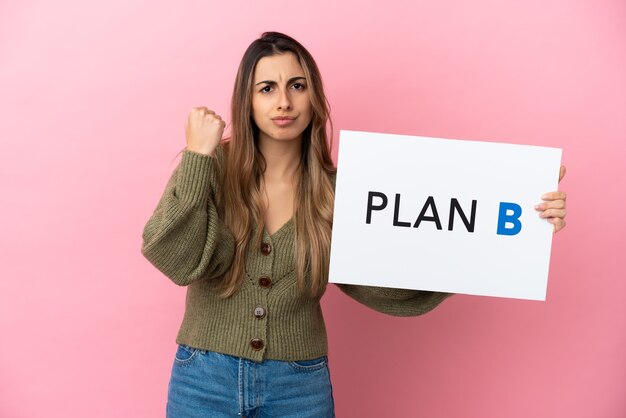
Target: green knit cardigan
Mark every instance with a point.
(267, 318)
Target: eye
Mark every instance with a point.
(298, 86)
(265, 89)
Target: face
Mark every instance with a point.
(281, 105)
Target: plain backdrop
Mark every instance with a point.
(93, 99)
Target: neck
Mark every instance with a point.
(282, 157)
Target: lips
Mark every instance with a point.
(283, 120)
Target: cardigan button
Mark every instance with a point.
(266, 249)
(259, 312)
(265, 282)
(256, 344)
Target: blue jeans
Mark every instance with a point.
(209, 384)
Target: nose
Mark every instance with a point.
(284, 101)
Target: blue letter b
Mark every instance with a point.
(504, 218)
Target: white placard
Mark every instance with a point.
(386, 232)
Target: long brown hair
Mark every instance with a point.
(244, 165)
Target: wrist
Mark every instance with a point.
(204, 151)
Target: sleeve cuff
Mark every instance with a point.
(195, 177)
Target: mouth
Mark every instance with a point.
(283, 120)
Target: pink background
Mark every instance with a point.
(93, 98)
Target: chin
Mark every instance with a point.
(286, 136)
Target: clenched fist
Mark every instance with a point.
(203, 130)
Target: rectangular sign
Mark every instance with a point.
(443, 215)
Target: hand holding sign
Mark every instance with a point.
(553, 209)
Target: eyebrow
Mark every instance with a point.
(291, 80)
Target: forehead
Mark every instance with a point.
(279, 67)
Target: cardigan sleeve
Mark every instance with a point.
(185, 238)
(396, 302)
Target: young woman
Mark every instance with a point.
(245, 223)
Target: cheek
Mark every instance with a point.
(306, 106)
(257, 110)
(309, 113)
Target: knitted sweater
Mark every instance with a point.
(267, 318)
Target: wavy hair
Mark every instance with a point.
(240, 195)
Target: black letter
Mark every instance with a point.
(435, 218)
(454, 204)
(396, 210)
(370, 207)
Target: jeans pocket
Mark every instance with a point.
(185, 354)
(309, 365)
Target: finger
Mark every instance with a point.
(562, 173)
(214, 119)
(553, 213)
(558, 224)
(558, 195)
(204, 110)
(551, 204)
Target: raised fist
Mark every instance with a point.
(203, 130)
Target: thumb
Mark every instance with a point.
(562, 173)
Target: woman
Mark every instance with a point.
(245, 223)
